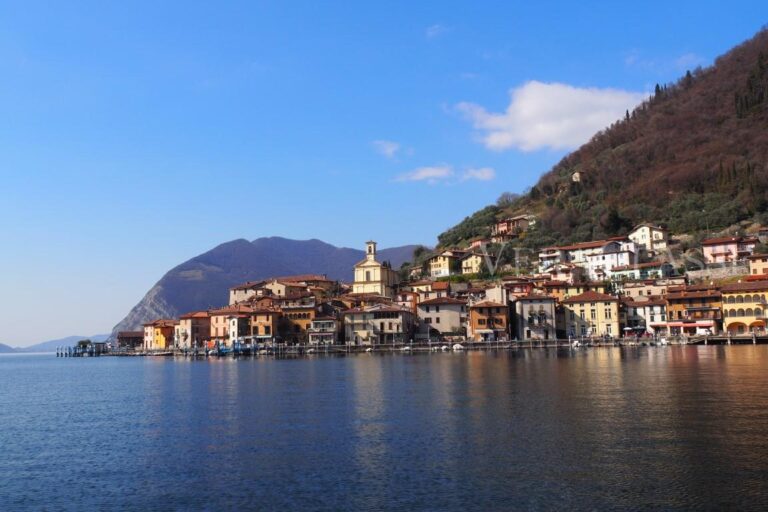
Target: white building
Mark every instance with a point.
(653, 239)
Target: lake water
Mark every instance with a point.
(607, 428)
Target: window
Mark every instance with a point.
(437, 320)
(593, 314)
(608, 329)
(437, 309)
(367, 275)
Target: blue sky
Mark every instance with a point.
(139, 134)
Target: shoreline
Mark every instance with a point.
(462, 346)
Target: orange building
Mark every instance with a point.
(488, 321)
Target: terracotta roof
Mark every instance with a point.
(698, 294)
(248, 285)
(637, 303)
(440, 286)
(729, 239)
(587, 245)
(195, 314)
(757, 256)
(692, 288)
(232, 310)
(487, 304)
(163, 322)
(754, 286)
(442, 300)
(591, 296)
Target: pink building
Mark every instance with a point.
(727, 249)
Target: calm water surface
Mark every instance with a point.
(668, 428)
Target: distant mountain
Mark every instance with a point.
(694, 156)
(5, 349)
(69, 341)
(204, 281)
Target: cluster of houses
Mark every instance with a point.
(607, 288)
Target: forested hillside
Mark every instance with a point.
(694, 156)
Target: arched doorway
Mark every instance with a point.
(737, 328)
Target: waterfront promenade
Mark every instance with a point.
(417, 347)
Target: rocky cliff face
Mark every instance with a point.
(204, 281)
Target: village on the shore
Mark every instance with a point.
(617, 288)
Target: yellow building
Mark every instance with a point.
(591, 314)
(373, 277)
(758, 264)
(472, 263)
(159, 335)
(744, 306)
(444, 264)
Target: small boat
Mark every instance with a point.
(405, 349)
(458, 346)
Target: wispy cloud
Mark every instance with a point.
(480, 174)
(663, 65)
(435, 30)
(431, 175)
(388, 148)
(445, 174)
(549, 115)
(688, 61)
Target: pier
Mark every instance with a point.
(301, 350)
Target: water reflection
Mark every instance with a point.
(671, 427)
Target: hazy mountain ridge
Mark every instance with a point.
(51, 345)
(204, 281)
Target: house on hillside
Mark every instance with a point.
(446, 263)
(651, 238)
(727, 249)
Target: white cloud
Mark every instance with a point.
(387, 148)
(481, 174)
(549, 115)
(431, 175)
(435, 30)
